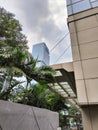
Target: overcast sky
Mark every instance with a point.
(43, 21)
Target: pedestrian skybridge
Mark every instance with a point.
(65, 82)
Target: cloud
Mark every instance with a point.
(39, 19)
(34, 12)
(42, 20)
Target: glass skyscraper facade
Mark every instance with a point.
(41, 52)
(75, 6)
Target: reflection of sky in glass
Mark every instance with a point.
(95, 4)
(41, 53)
(75, 6)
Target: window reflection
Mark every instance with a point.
(74, 1)
(75, 6)
(80, 6)
(68, 2)
(69, 10)
(95, 4)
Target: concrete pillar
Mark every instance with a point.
(90, 117)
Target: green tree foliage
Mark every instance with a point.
(15, 60)
(40, 96)
(25, 65)
(10, 32)
(12, 43)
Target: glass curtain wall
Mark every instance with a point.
(75, 6)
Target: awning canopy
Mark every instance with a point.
(65, 82)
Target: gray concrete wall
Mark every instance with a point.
(15, 116)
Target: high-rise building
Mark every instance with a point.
(83, 27)
(41, 52)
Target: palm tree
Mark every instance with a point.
(28, 67)
(23, 64)
(39, 95)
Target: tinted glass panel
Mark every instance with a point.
(68, 2)
(93, 0)
(80, 6)
(69, 9)
(95, 4)
(74, 1)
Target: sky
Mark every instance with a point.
(43, 21)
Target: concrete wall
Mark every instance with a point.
(83, 29)
(15, 116)
(90, 117)
(84, 40)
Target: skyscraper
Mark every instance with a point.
(41, 52)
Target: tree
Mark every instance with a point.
(12, 41)
(15, 60)
(27, 66)
(39, 95)
(10, 33)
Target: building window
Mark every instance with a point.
(75, 6)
